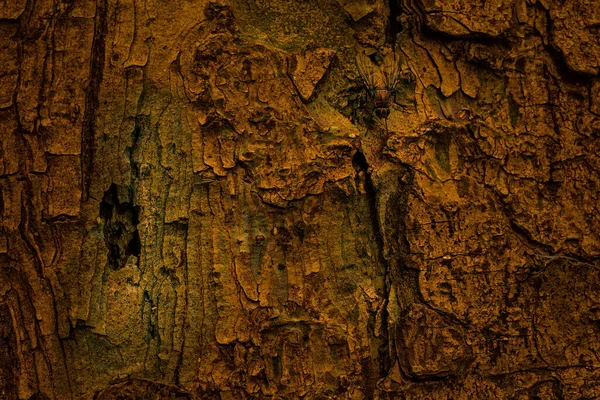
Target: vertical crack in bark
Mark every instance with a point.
(567, 74)
(405, 278)
(93, 96)
(394, 26)
(361, 165)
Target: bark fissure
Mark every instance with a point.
(360, 163)
(92, 97)
(394, 26)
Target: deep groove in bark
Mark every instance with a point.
(394, 27)
(360, 163)
(93, 96)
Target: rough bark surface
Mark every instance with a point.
(198, 202)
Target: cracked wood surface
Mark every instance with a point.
(198, 202)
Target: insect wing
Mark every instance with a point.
(391, 70)
(366, 71)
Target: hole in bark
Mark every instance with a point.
(120, 228)
(360, 162)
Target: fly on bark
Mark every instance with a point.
(381, 81)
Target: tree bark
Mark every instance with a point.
(198, 200)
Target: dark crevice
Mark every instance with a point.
(524, 234)
(567, 74)
(135, 139)
(506, 42)
(9, 367)
(361, 165)
(560, 62)
(473, 37)
(359, 162)
(149, 313)
(120, 228)
(394, 25)
(92, 96)
(520, 231)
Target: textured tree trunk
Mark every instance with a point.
(199, 201)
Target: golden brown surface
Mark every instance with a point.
(198, 202)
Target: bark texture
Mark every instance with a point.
(198, 202)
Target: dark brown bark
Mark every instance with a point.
(201, 200)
